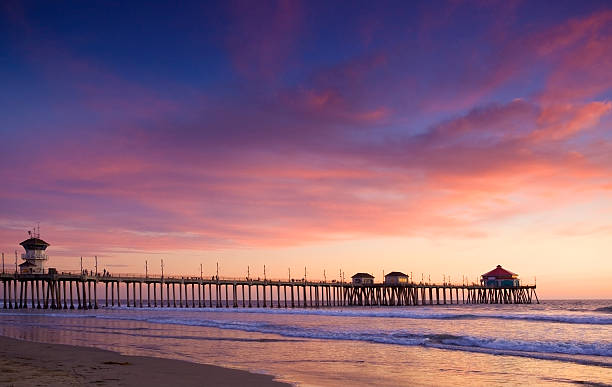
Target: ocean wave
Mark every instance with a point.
(605, 309)
(568, 319)
(595, 317)
(45, 313)
(592, 317)
(401, 337)
(422, 314)
(573, 351)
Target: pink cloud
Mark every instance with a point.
(561, 121)
(581, 54)
(293, 167)
(573, 31)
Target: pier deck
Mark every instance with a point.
(70, 291)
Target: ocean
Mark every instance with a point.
(555, 343)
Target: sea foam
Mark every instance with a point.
(424, 314)
(398, 337)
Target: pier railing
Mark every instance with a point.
(103, 276)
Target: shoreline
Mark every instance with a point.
(27, 363)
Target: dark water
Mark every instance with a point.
(551, 344)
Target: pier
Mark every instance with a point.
(35, 287)
(76, 291)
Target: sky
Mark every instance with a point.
(435, 138)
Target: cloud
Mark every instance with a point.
(580, 56)
(384, 141)
(561, 121)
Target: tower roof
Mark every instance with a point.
(34, 244)
(500, 272)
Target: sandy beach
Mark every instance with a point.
(24, 363)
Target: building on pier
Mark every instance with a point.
(500, 277)
(396, 277)
(363, 279)
(35, 255)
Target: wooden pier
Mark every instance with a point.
(70, 291)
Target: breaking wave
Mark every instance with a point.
(424, 314)
(542, 350)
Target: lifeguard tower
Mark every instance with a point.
(34, 256)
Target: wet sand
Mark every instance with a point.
(24, 363)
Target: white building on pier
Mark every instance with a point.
(34, 256)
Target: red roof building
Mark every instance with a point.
(500, 277)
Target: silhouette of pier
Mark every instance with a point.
(82, 291)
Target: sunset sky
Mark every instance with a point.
(438, 139)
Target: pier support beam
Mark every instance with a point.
(95, 291)
(193, 295)
(173, 296)
(292, 297)
(78, 295)
(200, 290)
(118, 293)
(168, 294)
(249, 286)
(89, 305)
(226, 296)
